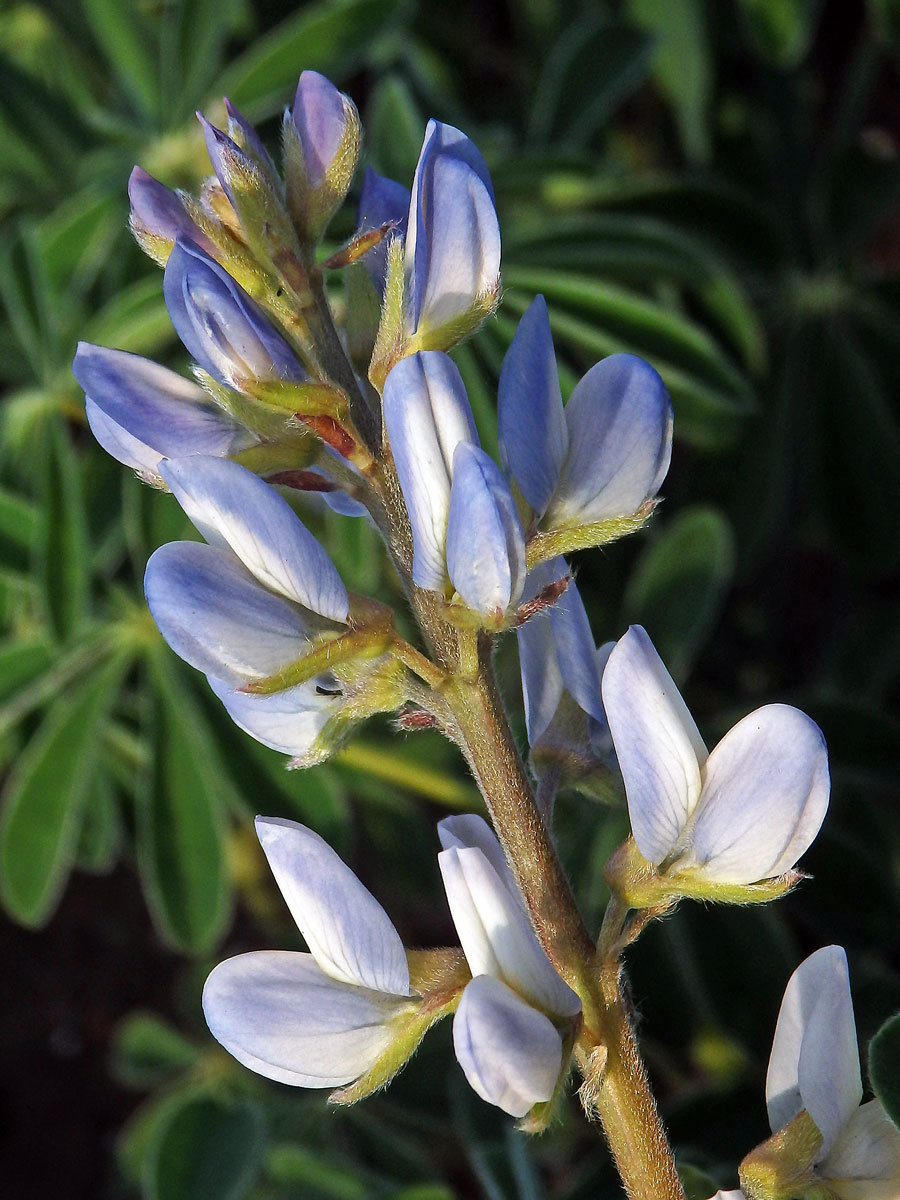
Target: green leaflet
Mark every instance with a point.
(884, 1067)
(180, 842)
(46, 794)
(678, 584)
(204, 1150)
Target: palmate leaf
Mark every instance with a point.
(46, 794)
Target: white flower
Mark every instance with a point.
(815, 1066)
(743, 813)
(507, 1029)
(320, 1019)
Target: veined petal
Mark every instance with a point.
(215, 616)
(619, 420)
(510, 1053)
(468, 829)
(496, 935)
(280, 1015)
(864, 1162)
(236, 509)
(485, 543)
(815, 1059)
(381, 200)
(658, 746)
(288, 721)
(765, 794)
(220, 326)
(453, 240)
(320, 118)
(575, 649)
(348, 932)
(427, 415)
(533, 433)
(141, 412)
(542, 682)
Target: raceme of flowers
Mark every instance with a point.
(366, 416)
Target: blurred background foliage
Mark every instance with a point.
(713, 184)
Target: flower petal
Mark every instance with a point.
(485, 543)
(350, 935)
(215, 616)
(280, 1015)
(468, 829)
(220, 326)
(381, 200)
(141, 412)
(815, 1059)
(556, 652)
(510, 1053)
(533, 434)
(865, 1154)
(234, 508)
(659, 748)
(453, 239)
(427, 415)
(495, 932)
(288, 721)
(765, 793)
(619, 419)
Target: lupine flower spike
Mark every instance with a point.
(712, 825)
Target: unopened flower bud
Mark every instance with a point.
(321, 139)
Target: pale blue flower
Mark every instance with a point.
(141, 412)
(324, 1018)
(485, 543)
(221, 327)
(259, 594)
(557, 656)
(743, 813)
(452, 250)
(605, 454)
(465, 526)
(508, 1029)
(814, 1066)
